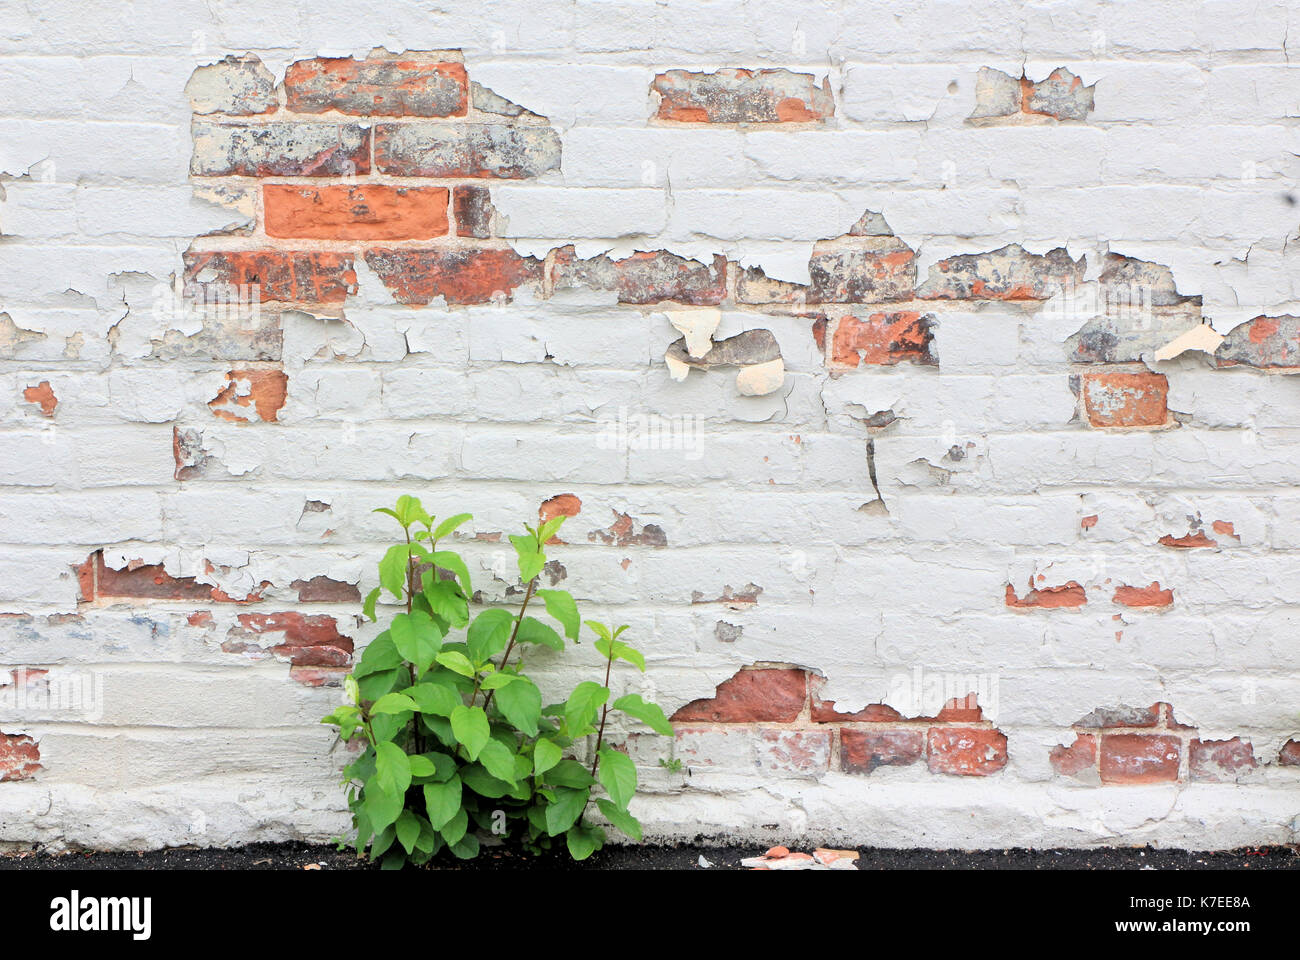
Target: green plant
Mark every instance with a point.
(456, 737)
(672, 766)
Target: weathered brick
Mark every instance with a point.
(461, 276)
(823, 711)
(305, 640)
(862, 751)
(1131, 282)
(1265, 342)
(1190, 541)
(279, 275)
(143, 582)
(1149, 596)
(884, 339)
(280, 150)
(1220, 761)
(627, 532)
(966, 751)
(323, 589)
(861, 270)
(1289, 755)
(251, 395)
(20, 757)
(488, 150)
(1009, 273)
(236, 85)
(997, 94)
(1122, 716)
(752, 695)
(1060, 95)
(805, 752)
(742, 96)
(379, 87)
(1126, 399)
(755, 286)
(355, 212)
(1069, 594)
(475, 215)
(1139, 758)
(560, 505)
(42, 394)
(652, 276)
(1078, 758)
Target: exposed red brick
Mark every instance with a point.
(625, 532)
(1104, 718)
(655, 276)
(148, 581)
(323, 589)
(1077, 757)
(1188, 542)
(1220, 761)
(1226, 529)
(772, 695)
(461, 276)
(287, 276)
(563, 504)
(861, 270)
(823, 711)
(1010, 273)
(309, 641)
(1070, 594)
(266, 394)
(20, 757)
(861, 751)
(1126, 399)
(42, 394)
(742, 96)
(1289, 755)
(1088, 523)
(883, 339)
(319, 676)
(1149, 596)
(474, 211)
(1139, 758)
(200, 618)
(794, 751)
(819, 334)
(967, 751)
(961, 710)
(380, 87)
(370, 211)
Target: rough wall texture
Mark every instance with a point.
(914, 376)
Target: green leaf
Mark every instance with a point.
(393, 569)
(456, 662)
(470, 726)
(618, 775)
(499, 761)
(483, 783)
(531, 558)
(392, 768)
(466, 848)
(441, 801)
(560, 605)
(583, 840)
(621, 819)
(380, 654)
(450, 560)
(410, 510)
(422, 766)
(450, 524)
(408, 830)
(545, 755)
(439, 699)
(618, 650)
(368, 608)
(534, 631)
(520, 702)
(488, 634)
(569, 773)
(393, 703)
(564, 810)
(417, 638)
(455, 828)
(550, 528)
(580, 709)
(444, 598)
(651, 714)
(381, 806)
(375, 685)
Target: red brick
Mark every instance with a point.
(1126, 399)
(1289, 755)
(323, 589)
(43, 395)
(742, 96)
(967, 751)
(861, 270)
(1106, 718)
(1220, 761)
(1077, 757)
(823, 711)
(284, 276)
(1149, 596)
(266, 393)
(319, 676)
(861, 751)
(363, 212)
(1069, 594)
(752, 695)
(309, 641)
(378, 87)
(1139, 758)
(1189, 542)
(461, 276)
(20, 757)
(883, 339)
(793, 751)
(655, 276)
(961, 710)
(474, 211)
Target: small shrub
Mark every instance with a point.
(456, 737)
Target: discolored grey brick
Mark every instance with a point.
(489, 150)
(280, 150)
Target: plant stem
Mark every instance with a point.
(528, 595)
(600, 733)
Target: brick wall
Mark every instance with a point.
(921, 397)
